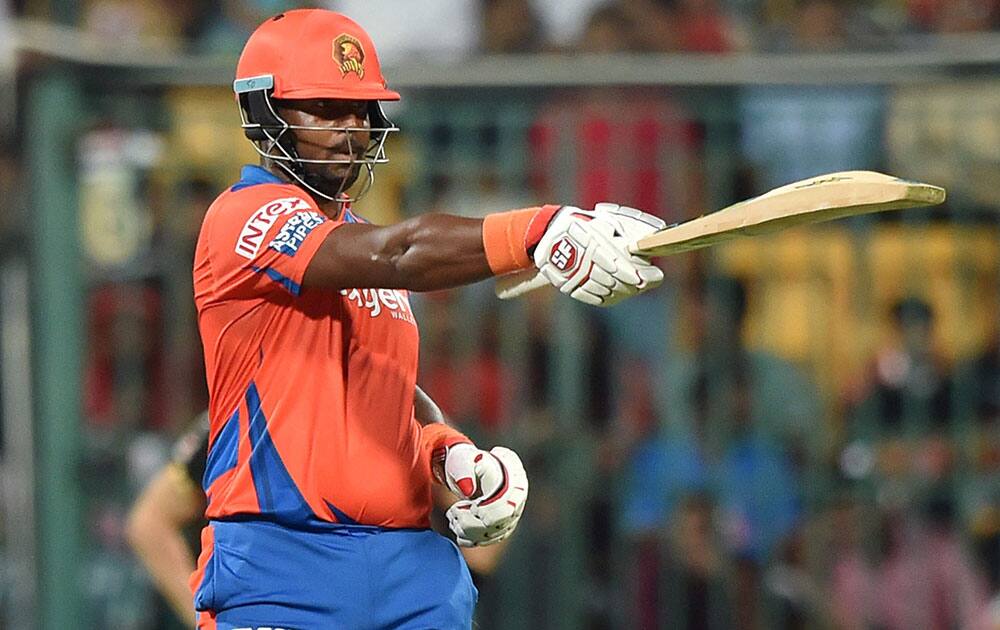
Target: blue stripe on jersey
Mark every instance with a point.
(252, 175)
(222, 453)
(290, 285)
(342, 518)
(277, 494)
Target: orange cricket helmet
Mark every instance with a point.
(310, 54)
(314, 53)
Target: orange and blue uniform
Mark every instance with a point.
(316, 465)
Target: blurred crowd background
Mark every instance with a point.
(796, 431)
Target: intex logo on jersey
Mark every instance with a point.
(564, 254)
(381, 300)
(261, 628)
(294, 231)
(252, 235)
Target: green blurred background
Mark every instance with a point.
(795, 431)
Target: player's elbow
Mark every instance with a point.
(416, 260)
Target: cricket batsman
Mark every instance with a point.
(322, 449)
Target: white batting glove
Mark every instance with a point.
(584, 253)
(494, 488)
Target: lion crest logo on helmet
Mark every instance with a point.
(349, 55)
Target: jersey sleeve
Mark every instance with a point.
(262, 243)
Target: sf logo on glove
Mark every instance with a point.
(564, 254)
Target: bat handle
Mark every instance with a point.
(517, 284)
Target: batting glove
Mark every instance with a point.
(494, 489)
(584, 253)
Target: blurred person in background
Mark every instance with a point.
(697, 593)
(925, 578)
(13, 194)
(754, 414)
(698, 26)
(954, 16)
(666, 512)
(406, 33)
(900, 411)
(719, 421)
(229, 23)
(788, 134)
(618, 144)
(977, 384)
(144, 22)
(164, 521)
(782, 401)
(759, 494)
(8, 73)
(511, 26)
(907, 385)
(290, 339)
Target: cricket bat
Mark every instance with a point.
(822, 198)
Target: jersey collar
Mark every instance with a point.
(252, 175)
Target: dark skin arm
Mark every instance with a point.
(425, 253)
(425, 409)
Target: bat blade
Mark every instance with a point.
(824, 198)
(814, 200)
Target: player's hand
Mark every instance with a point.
(584, 253)
(494, 489)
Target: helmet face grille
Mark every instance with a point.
(262, 125)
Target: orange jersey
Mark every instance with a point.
(311, 390)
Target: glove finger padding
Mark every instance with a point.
(469, 531)
(634, 222)
(619, 266)
(652, 276)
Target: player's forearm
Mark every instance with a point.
(438, 251)
(425, 253)
(436, 435)
(163, 551)
(484, 560)
(155, 527)
(425, 410)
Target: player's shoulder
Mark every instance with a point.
(255, 202)
(261, 199)
(257, 188)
